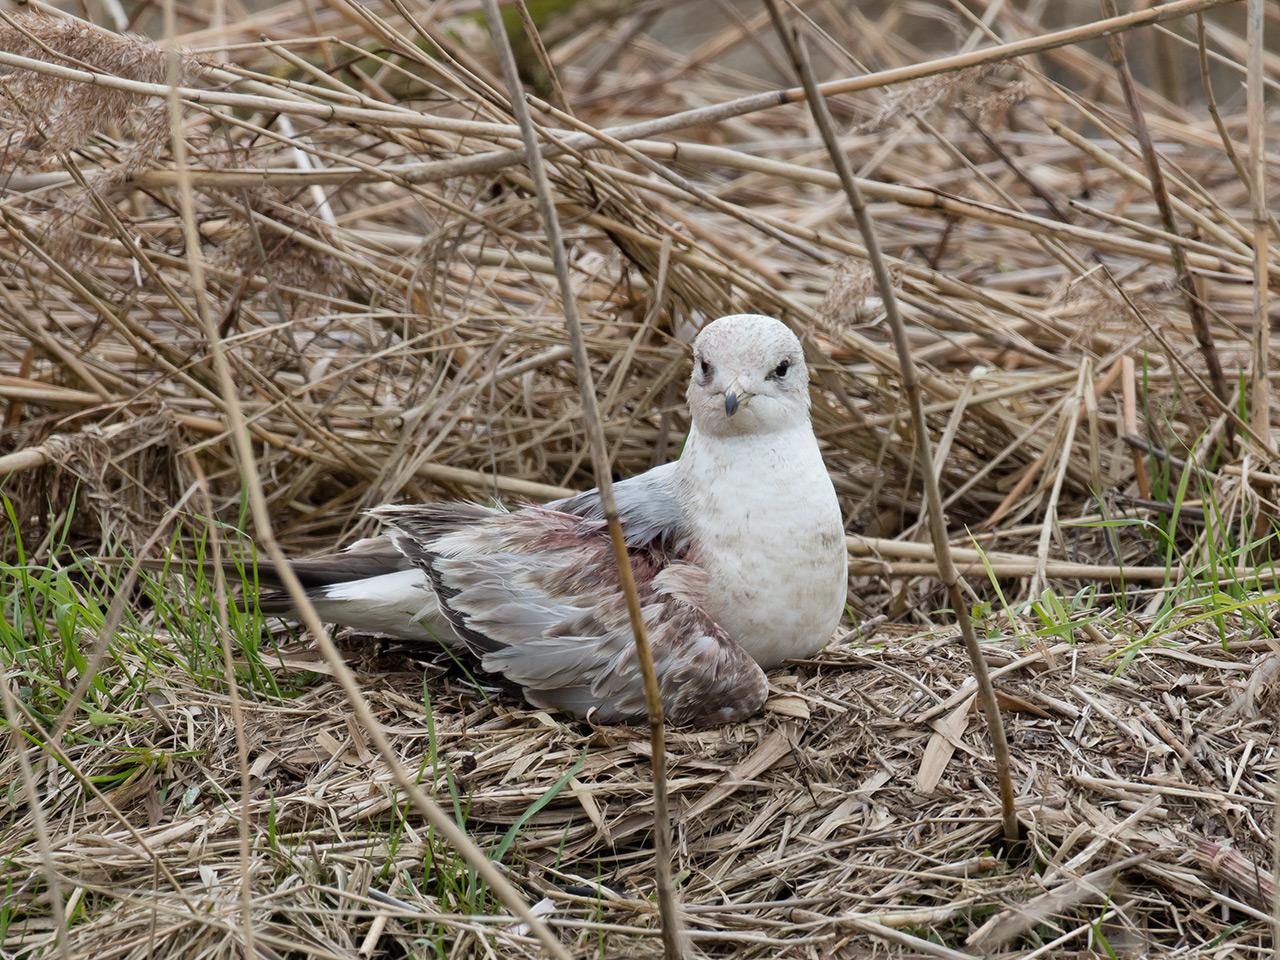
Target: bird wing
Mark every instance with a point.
(648, 508)
(536, 595)
(370, 557)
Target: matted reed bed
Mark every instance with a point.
(348, 207)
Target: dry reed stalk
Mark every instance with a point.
(901, 938)
(924, 449)
(1155, 174)
(1261, 392)
(454, 835)
(1260, 399)
(673, 936)
(245, 813)
(1071, 419)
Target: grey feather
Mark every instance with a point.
(648, 508)
(535, 595)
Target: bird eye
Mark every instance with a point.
(704, 367)
(781, 369)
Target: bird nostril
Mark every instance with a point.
(731, 403)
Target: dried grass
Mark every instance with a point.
(858, 797)
(390, 310)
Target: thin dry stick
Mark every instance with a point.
(1129, 392)
(39, 826)
(492, 161)
(453, 835)
(949, 575)
(672, 925)
(544, 58)
(1018, 489)
(1195, 311)
(237, 714)
(1071, 415)
(1211, 102)
(1256, 103)
(1219, 124)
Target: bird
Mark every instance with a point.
(737, 547)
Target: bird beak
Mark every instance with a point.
(734, 398)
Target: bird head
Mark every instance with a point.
(748, 377)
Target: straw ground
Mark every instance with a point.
(181, 777)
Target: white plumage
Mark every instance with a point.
(738, 549)
(399, 604)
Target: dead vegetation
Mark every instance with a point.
(376, 268)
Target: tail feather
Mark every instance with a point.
(363, 560)
(371, 586)
(398, 604)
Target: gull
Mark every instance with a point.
(738, 551)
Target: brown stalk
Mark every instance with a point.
(497, 160)
(673, 939)
(1129, 392)
(1054, 570)
(1071, 417)
(1260, 405)
(245, 819)
(544, 58)
(1195, 311)
(1211, 102)
(1261, 396)
(949, 575)
(444, 824)
(39, 823)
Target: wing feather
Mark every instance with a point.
(648, 508)
(536, 595)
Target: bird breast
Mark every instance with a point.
(767, 530)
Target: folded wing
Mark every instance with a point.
(536, 595)
(648, 509)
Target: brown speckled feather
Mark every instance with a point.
(535, 594)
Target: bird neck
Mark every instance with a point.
(792, 435)
(769, 457)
